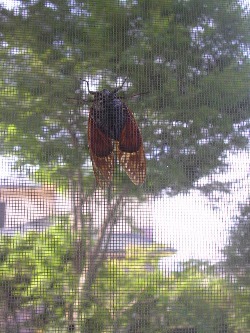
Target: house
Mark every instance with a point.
(26, 205)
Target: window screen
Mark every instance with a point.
(124, 166)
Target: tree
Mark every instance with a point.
(38, 286)
(197, 300)
(238, 250)
(188, 60)
(33, 288)
(189, 56)
(237, 264)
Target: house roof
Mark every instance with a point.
(11, 176)
(16, 181)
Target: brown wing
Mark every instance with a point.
(130, 151)
(101, 153)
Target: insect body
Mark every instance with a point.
(112, 129)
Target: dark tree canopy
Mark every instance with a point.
(238, 250)
(189, 57)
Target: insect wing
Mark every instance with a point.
(101, 153)
(131, 152)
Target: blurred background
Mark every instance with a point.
(171, 255)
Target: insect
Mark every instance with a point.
(113, 132)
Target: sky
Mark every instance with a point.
(198, 225)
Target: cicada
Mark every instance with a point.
(113, 134)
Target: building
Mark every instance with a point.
(26, 205)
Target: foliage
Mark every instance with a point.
(237, 264)
(197, 298)
(189, 56)
(200, 298)
(129, 293)
(37, 279)
(238, 249)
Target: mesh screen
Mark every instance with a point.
(124, 166)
